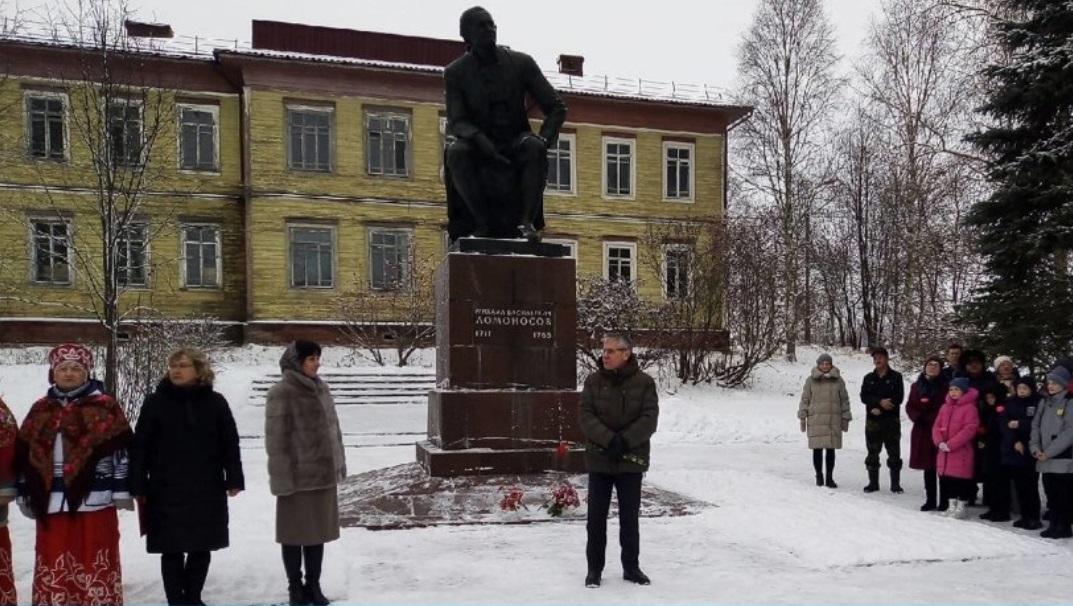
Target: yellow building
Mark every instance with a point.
(276, 179)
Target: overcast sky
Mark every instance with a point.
(692, 41)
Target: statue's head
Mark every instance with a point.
(477, 28)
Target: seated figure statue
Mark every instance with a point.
(496, 166)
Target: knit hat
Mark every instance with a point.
(961, 383)
(824, 358)
(1000, 360)
(69, 352)
(1028, 380)
(1060, 376)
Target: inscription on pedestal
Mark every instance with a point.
(514, 324)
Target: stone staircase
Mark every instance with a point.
(364, 385)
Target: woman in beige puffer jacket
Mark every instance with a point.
(825, 414)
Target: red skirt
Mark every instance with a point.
(7, 573)
(78, 559)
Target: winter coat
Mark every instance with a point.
(183, 460)
(988, 438)
(926, 397)
(302, 436)
(825, 404)
(624, 401)
(875, 388)
(1023, 411)
(956, 425)
(1052, 433)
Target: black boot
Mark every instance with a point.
(592, 580)
(895, 481)
(819, 479)
(930, 481)
(634, 575)
(830, 466)
(297, 594)
(830, 482)
(873, 481)
(315, 595)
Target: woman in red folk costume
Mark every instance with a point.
(8, 431)
(71, 453)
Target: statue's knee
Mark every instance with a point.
(457, 152)
(532, 148)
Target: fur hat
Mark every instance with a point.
(824, 357)
(961, 383)
(1000, 360)
(69, 352)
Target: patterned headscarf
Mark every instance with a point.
(69, 352)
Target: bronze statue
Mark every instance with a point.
(496, 166)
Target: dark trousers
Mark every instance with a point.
(184, 575)
(1059, 490)
(527, 156)
(931, 482)
(292, 563)
(817, 461)
(880, 434)
(954, 488)
(1026, 484)
(628, 488)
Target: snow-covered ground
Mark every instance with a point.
(773, 537)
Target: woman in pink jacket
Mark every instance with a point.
(953, 434)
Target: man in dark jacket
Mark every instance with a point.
(619, 411)
(882, 393)
(953, 362)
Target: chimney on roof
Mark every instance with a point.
(571, 65)
(136, 29)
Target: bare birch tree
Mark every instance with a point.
(787, 71)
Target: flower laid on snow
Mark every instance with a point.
(512, 500)
(563, 449)
(562, 497)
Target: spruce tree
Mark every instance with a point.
(1025, 306)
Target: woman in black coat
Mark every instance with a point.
(184, 463)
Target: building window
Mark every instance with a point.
(51, 243)
(201, 256)
(46, 124)
(387, 144)
(309, 138)
(618, 167)
(125, 129)
(561, 167)
(312, 256)
(570, 244)
(444, 140)
(132, 255)
(198, 128)
(389, 258)
(678, 171)
(619, 260)
(677, 261)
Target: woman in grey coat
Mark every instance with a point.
(1052, 446)
(306, 462)
(825, 414)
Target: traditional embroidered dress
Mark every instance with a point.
(71, 451)
(8, 432)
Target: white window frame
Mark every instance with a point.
(665, 265)
(567, 242)
(120, 101)
(402, 286)
(388, 114)
(146, 251)
(33, 250)
(692, 165)
(290, 254)
(572, 138)
(632, 144)
(66, 103)
(322, 109)
(208, 108)
(443, 150)
(219, 257)
(632, 247)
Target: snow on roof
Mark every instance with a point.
(196, 47)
